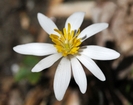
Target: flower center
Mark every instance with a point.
(67, 43)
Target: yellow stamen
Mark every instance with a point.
(67, 43)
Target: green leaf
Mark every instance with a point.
(34, 77)
(30, 60)
(21, 74)
(25, 70)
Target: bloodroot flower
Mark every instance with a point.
(67, 49)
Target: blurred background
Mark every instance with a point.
(19, 25)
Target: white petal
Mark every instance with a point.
(75, 20)
(100, 53)
(46, 23)
(92, 29)
(62, 78)
(92, 67)
(46, 62)
(79, 75)
(38, 49)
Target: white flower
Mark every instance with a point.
(67, 48)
